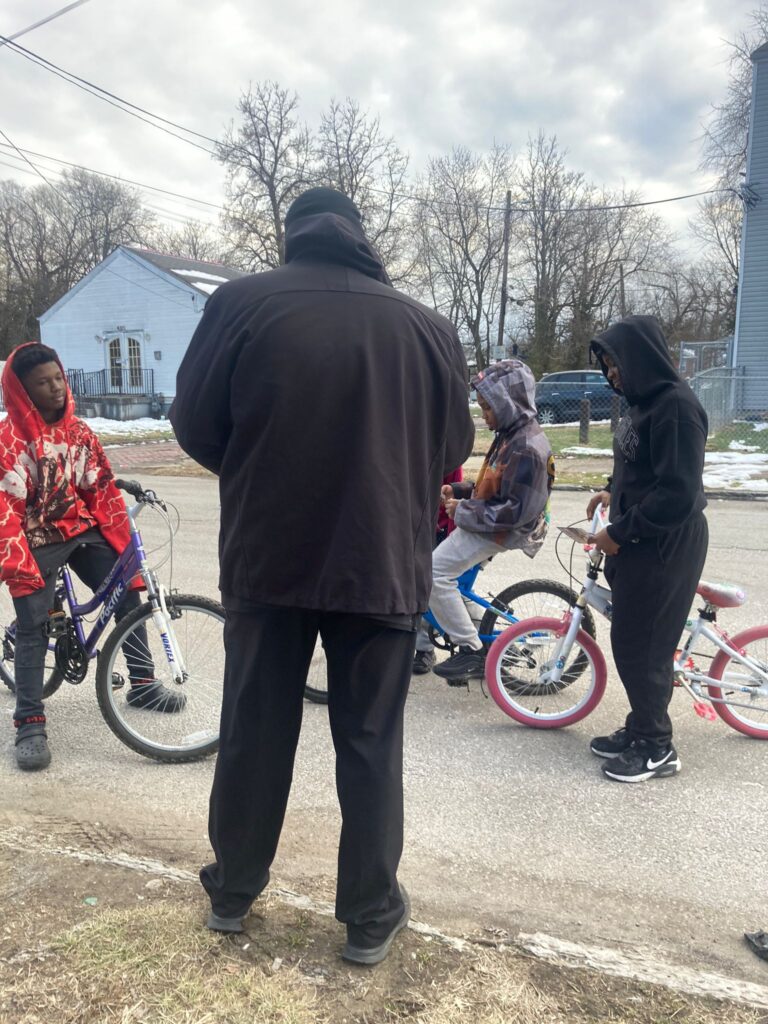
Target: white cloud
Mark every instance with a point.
(624, 86)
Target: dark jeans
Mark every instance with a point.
(653, 584)
(268, 651)
(92, 559)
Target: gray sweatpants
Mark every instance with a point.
(453, 557)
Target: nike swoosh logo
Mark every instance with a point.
(653, 765)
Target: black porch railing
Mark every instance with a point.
(116, 381)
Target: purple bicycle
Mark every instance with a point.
(174, 638)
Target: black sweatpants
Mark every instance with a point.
(92, 559)
(653, 584)
(268, 651)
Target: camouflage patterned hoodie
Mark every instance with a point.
(510, 499)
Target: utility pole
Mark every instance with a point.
(505, 267)
(622, 296)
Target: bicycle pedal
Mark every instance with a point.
(705, 711)
(56, 624)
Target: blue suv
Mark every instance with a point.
(559, 396)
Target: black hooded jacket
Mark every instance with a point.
(331, 406)
(659, 445)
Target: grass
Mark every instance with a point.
(155, 964)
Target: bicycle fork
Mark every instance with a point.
(162, 620)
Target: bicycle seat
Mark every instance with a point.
(721, 595)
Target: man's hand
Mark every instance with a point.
(446, 493)
(601, 498)
(450, 507)
(604, 542)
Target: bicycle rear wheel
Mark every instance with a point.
(192, 732)
(746, 712)
(531, 599)
(52, 677)
(518, 672)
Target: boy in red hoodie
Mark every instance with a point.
(58, 504)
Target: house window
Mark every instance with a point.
(134, 362)
(115, 364)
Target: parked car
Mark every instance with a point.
(559, 396)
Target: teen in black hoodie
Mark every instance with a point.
(656, 542)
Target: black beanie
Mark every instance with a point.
(322, 200)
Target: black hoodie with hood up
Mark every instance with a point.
(659, 445)
(331, 406)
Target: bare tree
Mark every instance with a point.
(460, 233)
(725, 134)
(356, 157)
(52, 236)
(548, 242)
(195, 240)
(268, 158)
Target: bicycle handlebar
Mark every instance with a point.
(133, 487)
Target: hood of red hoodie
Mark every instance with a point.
(22, 411)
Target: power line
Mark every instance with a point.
(136, 111)
(116, 177)
(103, 94)
(44, 21)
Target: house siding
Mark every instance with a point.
(125, 292)
(751, 344)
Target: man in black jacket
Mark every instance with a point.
(656, 542)
(330, 406)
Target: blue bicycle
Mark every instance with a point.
(492, 614)
(175, 639)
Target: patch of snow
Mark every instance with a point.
(735, 458)
(129, 428)
(742, 446)
(757, 427)
(209, 288)
(578, 450)
(200, 275)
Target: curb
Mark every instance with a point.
(633, 964)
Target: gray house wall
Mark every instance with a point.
(750, 349)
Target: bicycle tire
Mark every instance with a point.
(203, 706)
(503, 662)
(511, 595)
(317, 673)
(736, 717)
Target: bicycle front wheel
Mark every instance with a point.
(519, 672)
(192, 731)
(741, 699)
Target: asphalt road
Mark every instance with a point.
(507, 828)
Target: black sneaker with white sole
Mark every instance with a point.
(468, 663)
(613, 745)
(643, 761)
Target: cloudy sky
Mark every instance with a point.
(625, 86)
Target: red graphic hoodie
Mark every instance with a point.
(55, 483)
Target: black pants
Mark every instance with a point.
(268, 651)
(653, 584)
(92, 559)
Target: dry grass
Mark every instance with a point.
(154, 964)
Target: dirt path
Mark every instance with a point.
(94, 929)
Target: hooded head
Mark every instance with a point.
(508, 388)
(638, 348)
(31, 364)
(324, 224)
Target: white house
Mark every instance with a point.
(123, 329)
